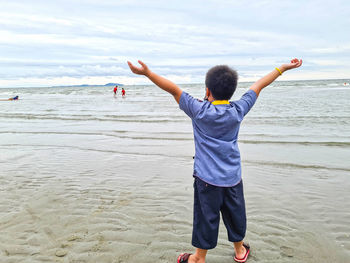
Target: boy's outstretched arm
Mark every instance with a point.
(161, 82)
(269, 78)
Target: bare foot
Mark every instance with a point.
(195, 259)
(240, 253)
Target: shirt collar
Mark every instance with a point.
(220, 102)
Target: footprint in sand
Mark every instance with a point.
(287, 251)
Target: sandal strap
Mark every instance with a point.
(244, 259)
(183, 258)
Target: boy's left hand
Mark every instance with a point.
(143, 70)
(294, 63)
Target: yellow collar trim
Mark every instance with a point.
(219, 102)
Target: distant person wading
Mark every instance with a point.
(115, 90)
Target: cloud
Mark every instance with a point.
(55, 40)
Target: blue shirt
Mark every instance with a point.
(215, 128)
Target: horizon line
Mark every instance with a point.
(192, 83)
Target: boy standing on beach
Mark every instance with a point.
(218, 185)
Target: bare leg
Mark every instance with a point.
(198, 257)
(240, 250)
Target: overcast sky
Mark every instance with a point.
(45, 43)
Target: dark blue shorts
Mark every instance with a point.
(209, 201)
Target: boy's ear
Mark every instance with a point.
(207, 92)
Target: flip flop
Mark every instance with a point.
(244, 259)
(183, 258)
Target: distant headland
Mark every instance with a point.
(89, 85)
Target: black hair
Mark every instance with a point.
(221, 80)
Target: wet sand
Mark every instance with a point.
(139, 209)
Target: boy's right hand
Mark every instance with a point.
(294, 63)
(160, 81)
(143, 70)
(269, 78)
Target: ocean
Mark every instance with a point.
(117, 174)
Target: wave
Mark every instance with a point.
(96, 150)
(265, 120)
(257, 163)
(298, 166)
(89, 118)
(116, 134)
(188, 137)
(319, 143)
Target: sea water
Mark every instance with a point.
(295, 148)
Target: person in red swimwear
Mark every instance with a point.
(123, 92)
(115, 90)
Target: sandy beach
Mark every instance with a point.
(81, 184)
(81, 218)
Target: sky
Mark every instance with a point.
(48, 43)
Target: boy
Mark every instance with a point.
(218, 185)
